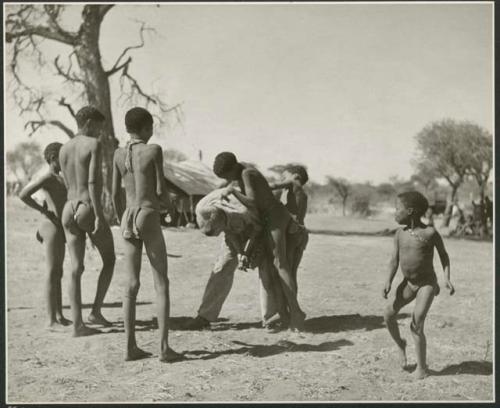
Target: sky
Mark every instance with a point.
(342, 88)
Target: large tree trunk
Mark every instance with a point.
(344, 200)
(449, 206)
(98, 95)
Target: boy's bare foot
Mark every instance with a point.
(403, 363)
(98, 318)
(63, 321)
(421, 373)
(55, 326)
(85, 331)
(136, 354)
(171, 356)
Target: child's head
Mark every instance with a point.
(139, 121)
(410, 205)
(226, 166)
(51, 155)
(297, 172)
(89, 121)
(212, 221)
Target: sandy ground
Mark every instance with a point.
(344, 355)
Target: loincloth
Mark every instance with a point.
(78, 217)
(130, 228)
(426, 280)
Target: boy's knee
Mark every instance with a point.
(389, 314)
(417, 326)
(132, 289)
(77, 271)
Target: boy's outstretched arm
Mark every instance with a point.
(393, 266)
(26, 196)
(445, 261)
(116, 190)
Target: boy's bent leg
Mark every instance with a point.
(404, 295)
(103, 240)
(132, 258)
(149, 226)
(219, 283)
(425, 296)
(59, 252)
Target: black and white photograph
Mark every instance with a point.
(248, 202)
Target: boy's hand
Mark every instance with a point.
(226, 192)
(450, 287)
(243, 262)
(386, 290)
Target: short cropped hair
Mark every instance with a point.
(224, 162)
(415, 200)
(136, 118)
(301, 172)
(86, 113)
(51, 150)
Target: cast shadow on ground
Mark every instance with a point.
(267, 350)
(481, 367)
(110, 305)
(338, 323)
(383, 233)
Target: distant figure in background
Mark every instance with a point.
(50, 233)
(81, 165)
(140, 166)
(414, 249)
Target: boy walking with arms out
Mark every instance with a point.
(414, 250)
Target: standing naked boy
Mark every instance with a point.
(81, 160)
(414, 249)
(255, 192)
(50, 232)
(141, 168)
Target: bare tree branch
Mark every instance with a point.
(37, 124)
(104, 8)
(117, 65)
(63, 102)
(67, 75)
(115, 69)
(42, 31)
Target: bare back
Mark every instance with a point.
(141, 184)
(55, 194)
(74, 158)
(263, 195)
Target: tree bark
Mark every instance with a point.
(98, 93)
(449, 206)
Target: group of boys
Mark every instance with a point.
(73, 210)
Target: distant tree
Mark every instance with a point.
(443, 149)
(425, 177)
(386, 191)
(25, 160)
(480, 163)
(342, 187)
(173, 155)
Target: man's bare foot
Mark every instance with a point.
(85, 331)
(403, 363)
(171, 356)
(98, 318)
(136, 354)
(421, 373)
(63, 321)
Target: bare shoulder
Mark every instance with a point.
(251, 173)
(119, 154)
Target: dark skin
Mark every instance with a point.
(413, 249)
(296, 202)
(81, 160)
(145, 187)
(256, 192)
(51, 232)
